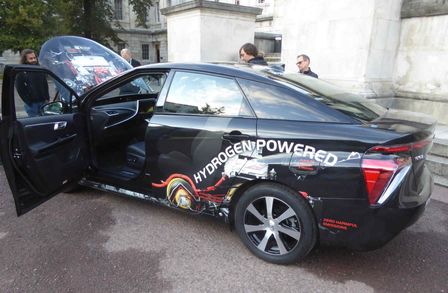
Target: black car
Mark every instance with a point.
(288, 160)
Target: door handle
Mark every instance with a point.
(235, 136)
(60, 125)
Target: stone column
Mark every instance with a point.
(350, 42)
(421, 74)
(204, 31)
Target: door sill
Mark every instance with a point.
(114, 189)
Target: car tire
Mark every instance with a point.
(284, 235)
(73, 189)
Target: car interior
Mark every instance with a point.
(119, 121)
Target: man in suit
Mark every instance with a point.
(126, 54)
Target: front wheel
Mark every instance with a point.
(275, 223)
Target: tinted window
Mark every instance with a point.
(352, 105)
(195, 93)
(271, 102)
(143, 86)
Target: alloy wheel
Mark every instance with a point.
(272, 225)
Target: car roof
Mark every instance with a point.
(239, 70)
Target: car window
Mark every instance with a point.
(272, 102)
(194, 93)
(34, 90)
(140, 86)
(336, 98)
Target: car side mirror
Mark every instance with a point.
(54, 108)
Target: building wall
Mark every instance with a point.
(208, 31)
(383, 45)
(378, 48)
(421, 70)
(421, 76)
(350, 42)
(186, 39)
(136, 37)
(8, 57)
(231, 35)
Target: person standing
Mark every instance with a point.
(249, 54)
(303, 63)
(32, 86)
(126, 54)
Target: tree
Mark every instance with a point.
(28, 23)
(24, 24)
(207, 109)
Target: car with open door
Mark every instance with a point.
(288, 160)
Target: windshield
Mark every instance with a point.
(81, 63)
(350, 104)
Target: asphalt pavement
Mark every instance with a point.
(92, 241)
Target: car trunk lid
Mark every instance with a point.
(402, 158)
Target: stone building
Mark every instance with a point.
(377, 48)
(380, 49)
(148, 45)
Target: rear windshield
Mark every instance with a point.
(350, 104)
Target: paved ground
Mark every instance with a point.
(97, 242)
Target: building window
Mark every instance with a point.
(118, 12)
(157, 7)
(260, 1)
(145, 16)
(145, 51)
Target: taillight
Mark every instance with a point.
(391, 149)
(382, 165)
(402, 147)
(377, 174)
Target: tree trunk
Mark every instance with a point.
(87, 18)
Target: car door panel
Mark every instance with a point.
(119, 122)
(194, 150)
(197, 141)
(42, 155)
(43, 148)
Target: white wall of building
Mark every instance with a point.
(184, 37)
(236, 30)
(421, 69)
(210, 32)
(350, 42)
(362, 45)
(384, 41)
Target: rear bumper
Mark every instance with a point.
(356, 225)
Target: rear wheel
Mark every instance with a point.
(275, 223)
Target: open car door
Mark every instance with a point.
(43, 135)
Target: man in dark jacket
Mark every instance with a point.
(249, 54)
(303, 62)
(126, 54)
(32, 86)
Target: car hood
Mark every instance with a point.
(81, 63)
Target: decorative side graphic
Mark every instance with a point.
(243, 160)
(247, 155)
(183, 193)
